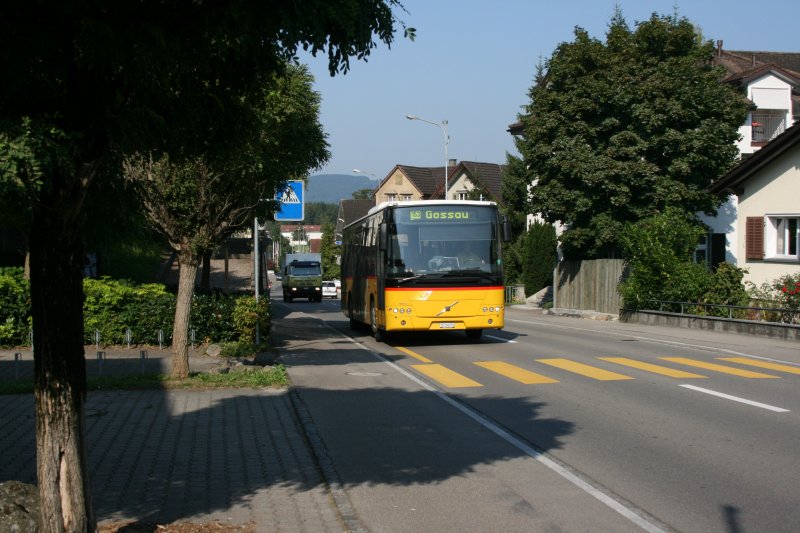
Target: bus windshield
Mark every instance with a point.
(443, 239)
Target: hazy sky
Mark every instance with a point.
(473, 63)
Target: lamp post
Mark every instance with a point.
(358, 171)
(442, 126)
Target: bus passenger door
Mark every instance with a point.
(383, 247)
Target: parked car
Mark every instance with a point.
(329, 289)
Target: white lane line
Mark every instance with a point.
(736, 399)
(552, 464)
(509, 341)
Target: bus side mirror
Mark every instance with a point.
(506, 230)
(383, 237)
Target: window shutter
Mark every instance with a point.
(754, 238)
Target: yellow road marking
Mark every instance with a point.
(516, 373)
(584, 370)
(762, 364)
(649, 367)
(415, 355)
(718, 368)
(446, 377)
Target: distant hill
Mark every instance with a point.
(330, 188)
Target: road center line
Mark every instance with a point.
(736, 399)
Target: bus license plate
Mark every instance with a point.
(446, 325)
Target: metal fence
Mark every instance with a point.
(738, 312)
(514, 294)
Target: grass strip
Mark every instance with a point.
(274, 376)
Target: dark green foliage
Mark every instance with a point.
(319, 213)
(658, 250)
(112, 306)
(727, 288)
(513, 260)
(15, 307)
(248, 315)
(516, 179)
(539, 257)
(330, 253)
(618, 131)
(211, 315)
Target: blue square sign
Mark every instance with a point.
(290, 202)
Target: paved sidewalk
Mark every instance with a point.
(233, 456)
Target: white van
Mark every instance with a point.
(329, 289)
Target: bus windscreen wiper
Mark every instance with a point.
(410, 278)
(469, 274)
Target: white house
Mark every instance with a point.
(771, 81)
(767, 187)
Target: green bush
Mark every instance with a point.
(780, 293)
(512, 260)
(15, 307)
(247, 313)
(539, 254)
(727, 288)
(659, 250)
(112, 306)
(212, 315)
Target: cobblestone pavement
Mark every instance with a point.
(233, 456)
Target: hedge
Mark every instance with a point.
(113, 306)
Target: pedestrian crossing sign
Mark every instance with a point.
(290, 202)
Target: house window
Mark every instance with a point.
(781, 236)
(785, 235)
(462, 195)
(391, 196)
(701, 251)
(405, 197)
(766, 124)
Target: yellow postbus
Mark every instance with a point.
(425, 266)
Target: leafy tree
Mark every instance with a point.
(318, 213)
(539, 257)
(330, 252)
(515, 209)
(516, 180)
(618, 131)
(99, 81)
(364, 194)
(198, 203)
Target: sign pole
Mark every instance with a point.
(256, 272)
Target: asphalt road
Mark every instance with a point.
(556, 424)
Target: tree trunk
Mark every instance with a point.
(205, 280)
(187, 273)
(56, 265)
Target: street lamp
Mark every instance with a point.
(357, 171)
(442, 126)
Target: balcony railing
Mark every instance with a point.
(767, 126)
